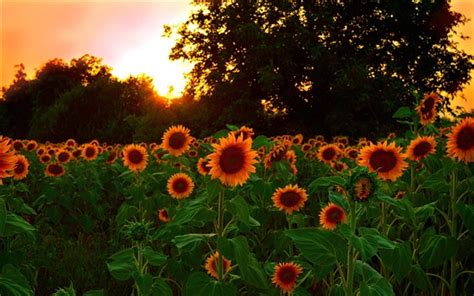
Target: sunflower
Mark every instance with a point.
(71, 143)
(135, 157)
(180, 186)
(363, 185)
(192, 153)
(17, 145)
(306, 147)
(203, 167)
(297, 140)
(54, 170)
(339, 166)
(343, 140)
(400, 194)
(285, 276)
(420, 147)
(21, 167)
(290, 198)
(77, 153)
(176, 140)
(90, 151)
(40, 151)
(329, 153)
(233, 160)
(278, 153)
(319, 138)
(427, 108)
(163, 215)
(7, 159)
(112, 156)
(331, 216)
(45, 158)
(64, 156)
(31, 145)
(245, 132)
(351, 153)
(212, 262)
(460, 143)
(386, 160)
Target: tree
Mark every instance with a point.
(325, 67)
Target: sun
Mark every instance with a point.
(150, 57)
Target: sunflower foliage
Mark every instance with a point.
(243, 214)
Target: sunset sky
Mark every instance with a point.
(126, 34)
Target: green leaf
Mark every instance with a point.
(3, 216)
(373, 234)
(161, 288)
(324, 182)
(144, 282)
(398, 260)
(435, 249)
(321, 247)
(419, 278)
(154, 258)
(200, 284)
(260, 141)
(403, 112)
(13, 283)
(372, 283)
(15, 225)
(94, 293)
(122, 265)
(250, 269)
(191, 241)
(366, 246)
(467, 215)
(240, 209)
(231, 127)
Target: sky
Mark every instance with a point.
(126, 35)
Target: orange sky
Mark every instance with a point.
(127, 35)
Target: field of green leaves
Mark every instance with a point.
(243, 214)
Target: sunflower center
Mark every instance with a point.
(135, 156)
(328, 153)
(363, 188)
(177, 140)
(334, 215)
(17, 146)
(90, 152)
(55, 169)
(383, 161)
(180, 185)
(232, 160)
(287, 275)
(20, 168)
(290, 199)
(30, 147)
(465, 138)
(204, 166)
(63, 156)
(422, 149)
(353, 154)
(427, 105)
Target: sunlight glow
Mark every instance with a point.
(151, 58)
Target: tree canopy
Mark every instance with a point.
(325, 67)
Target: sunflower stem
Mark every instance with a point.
(350, 259)
(288, 219)
(452, 285)
(220, 231)
(412, 178)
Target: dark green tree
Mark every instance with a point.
(326, 67)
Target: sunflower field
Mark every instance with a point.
(243, 214)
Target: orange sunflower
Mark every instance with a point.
(285, 276)
(245, 132)
(277, 153)
(31, 145)
(64, 156)
(329, 153)
(331, 216)
(71, 143)
(17, 145)
(211, 265)
(176, 140)
(112, 156)
(460, 143)
(163, 215)
(180, 186)
(290, 198)
(45, 158)
(90, 151)
(351, 153)
(427, 108)
(7, 159)
(54, 170)
(386, 160)
(21, 167)
(135, 157)
(203, 167)
(420, 147)
(233, 160)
